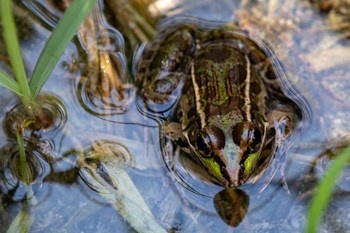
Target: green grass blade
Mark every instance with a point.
(324, 190)
(7, 82)
(12, 46)
(26, 173)
(58, 41)
(22, 221)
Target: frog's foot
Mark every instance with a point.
(173, 131)
(279, 161)
(277, 164)
(283, 129)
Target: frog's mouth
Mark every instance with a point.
(228, 179)
(232, 177)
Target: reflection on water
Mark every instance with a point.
(104, 86)
(104, 82)
(231, 205)
(51, 119)
(12, 183)
(313, 50)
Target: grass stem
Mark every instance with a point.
(324, 190)
(26, 174)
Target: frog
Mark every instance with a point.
(219, 92)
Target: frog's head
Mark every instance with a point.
(234, 154)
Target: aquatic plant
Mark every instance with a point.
(28, 91)
(54, 47)
(324, 190)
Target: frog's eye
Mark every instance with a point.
(245, 132)
(237, 133)
(203, 144)
(216, 137)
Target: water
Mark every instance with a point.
(306, 45)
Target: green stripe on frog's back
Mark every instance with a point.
(225, 80)
(224, 85)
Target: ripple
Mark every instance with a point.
(101, 157)
(48, 13)
(108, 152)
(55, 110)
(109, 40)
(105, 88)
(108, 95)
(47, 124)
(10, 170)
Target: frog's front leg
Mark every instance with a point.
(282, 122)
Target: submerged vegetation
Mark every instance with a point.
(32, 113)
